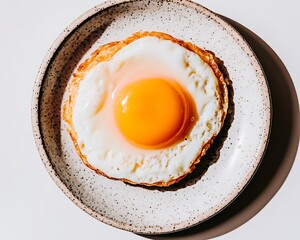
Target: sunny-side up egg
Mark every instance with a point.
(147, 114)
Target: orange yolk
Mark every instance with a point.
(152, 113)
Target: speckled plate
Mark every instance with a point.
(236, 153)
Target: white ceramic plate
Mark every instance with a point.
(201, 195)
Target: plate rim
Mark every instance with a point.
(39, 142)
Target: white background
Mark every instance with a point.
(31, 205)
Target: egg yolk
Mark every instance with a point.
(152, 113)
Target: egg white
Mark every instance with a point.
(99, 138)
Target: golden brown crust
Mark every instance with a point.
(105, 53)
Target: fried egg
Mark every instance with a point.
(144, 110)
